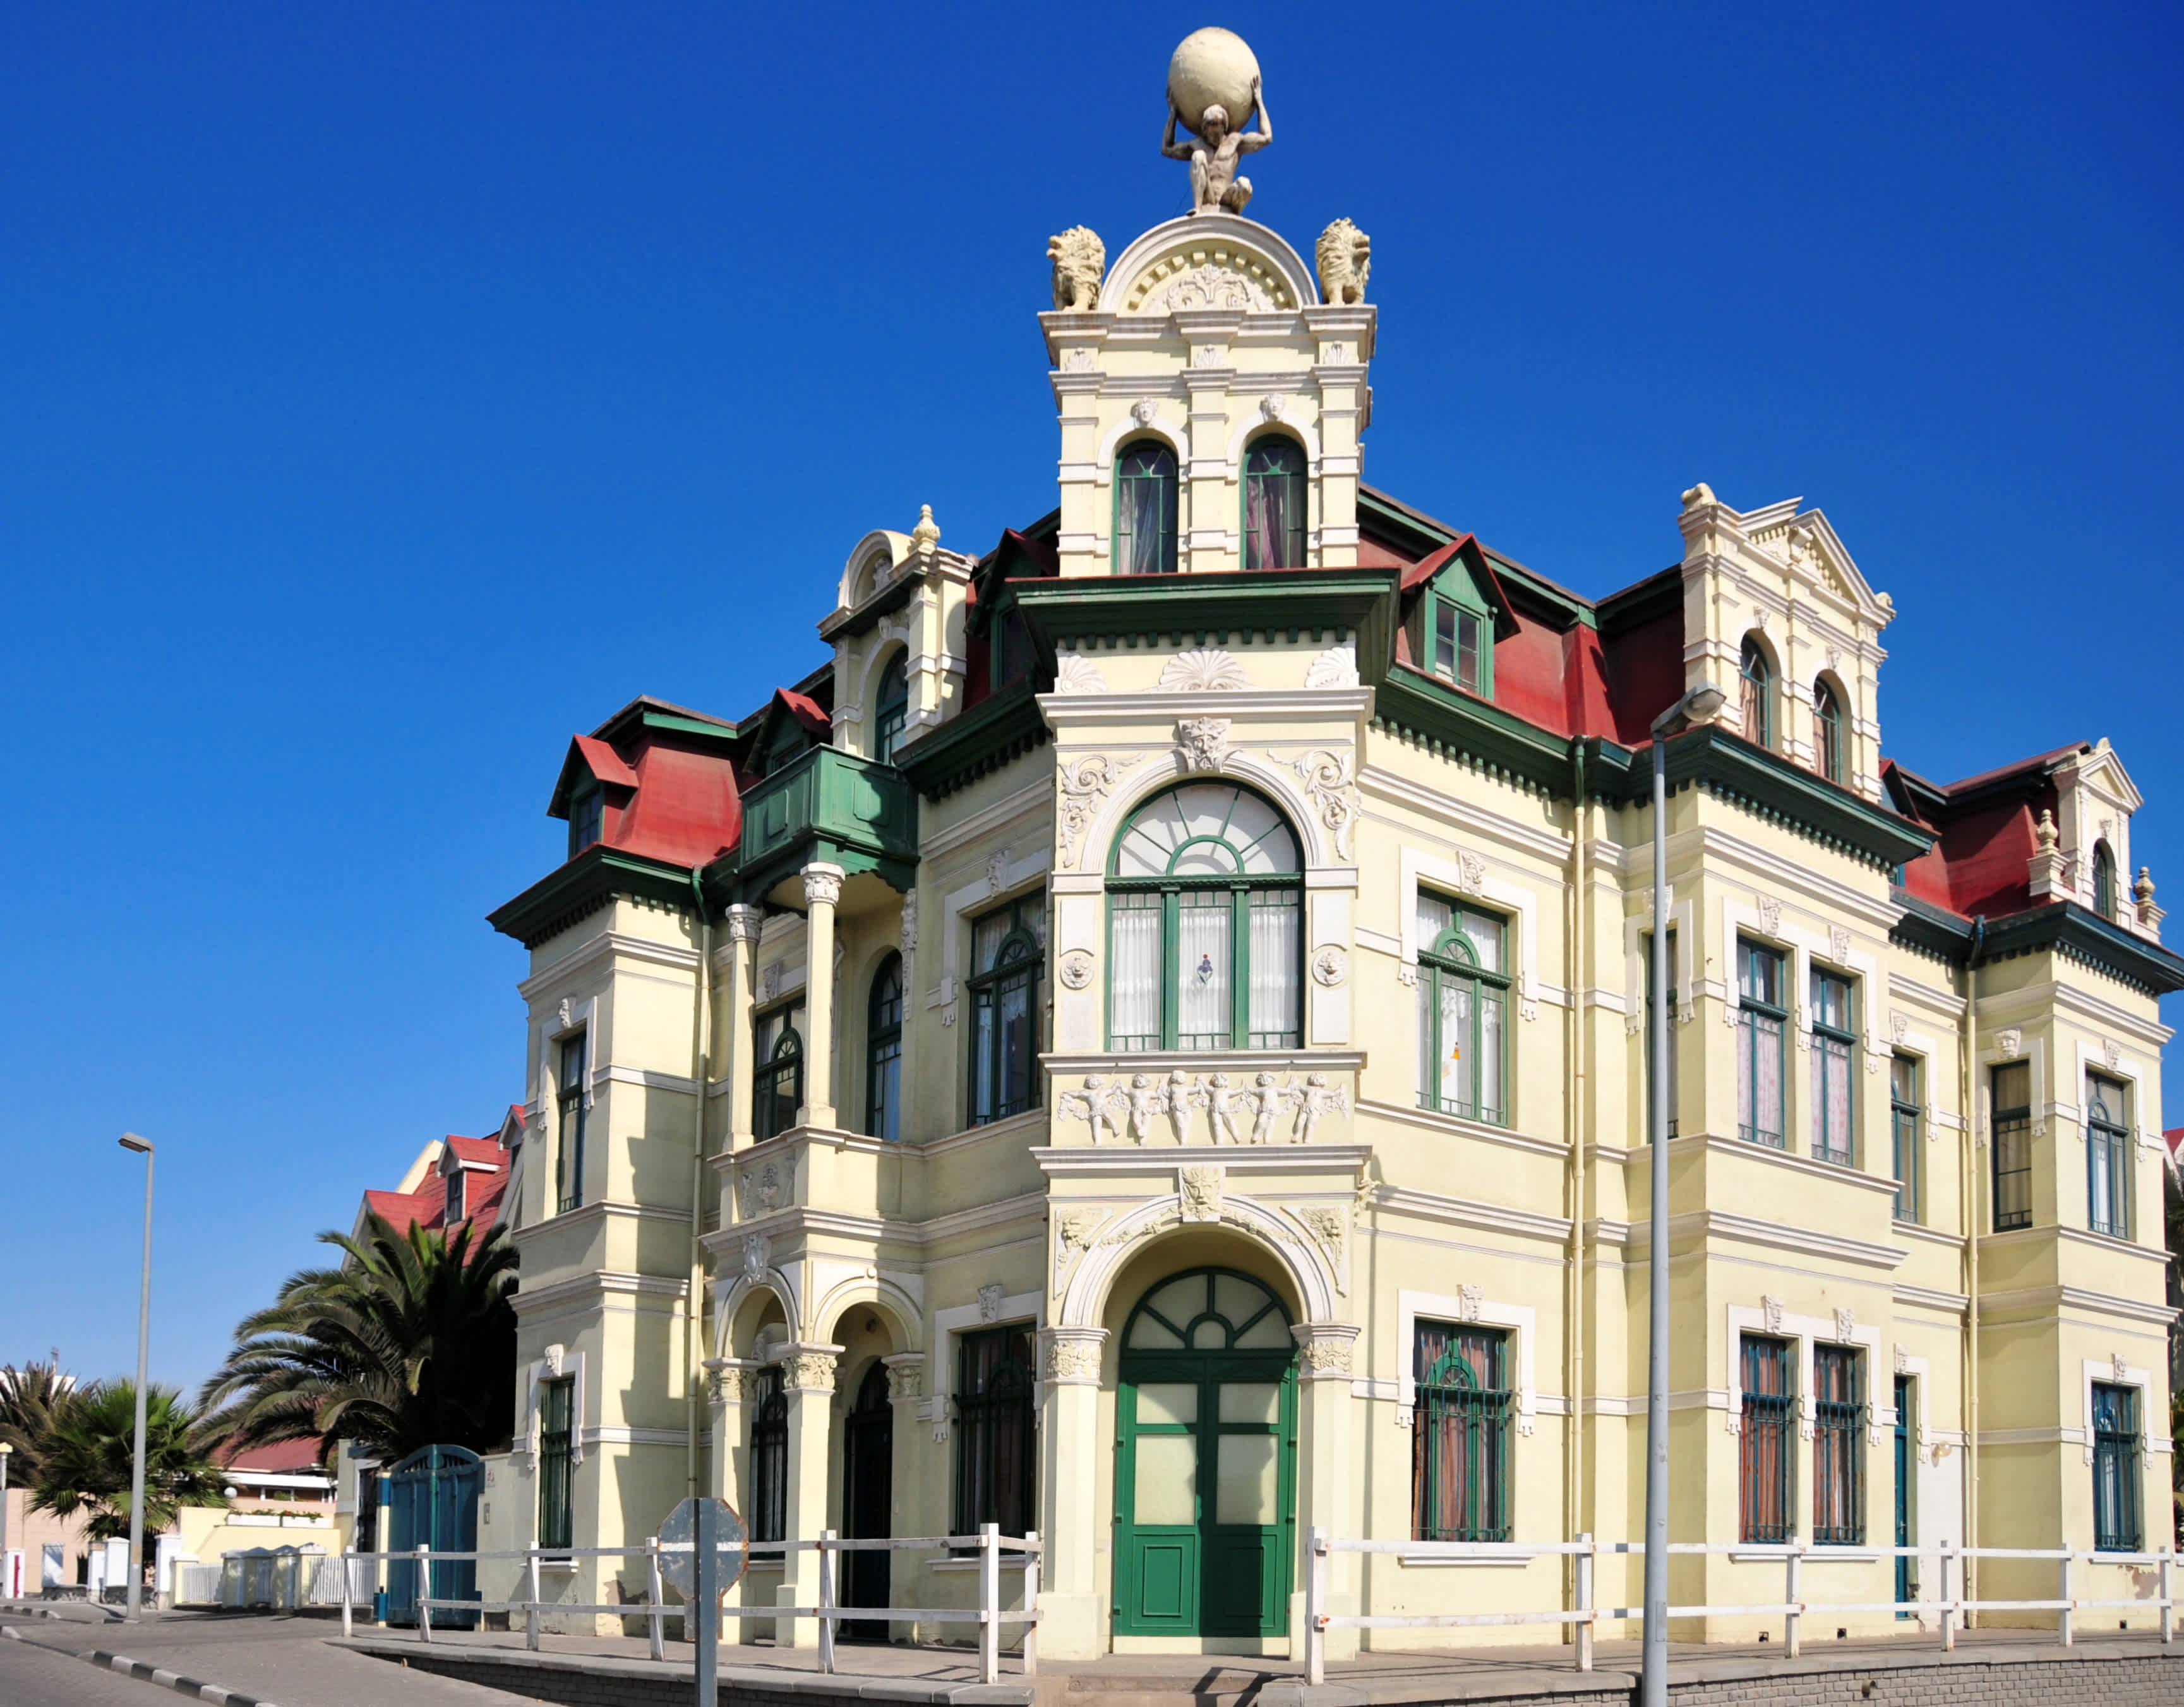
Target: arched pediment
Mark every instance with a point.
(877, 556)
(1212, 261)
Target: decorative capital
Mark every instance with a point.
(808, 1366)
(906, 1376)
(1326, 1349)
(743, 921)
(1070, 1357)
(823, 884)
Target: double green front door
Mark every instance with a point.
(1205, 1473)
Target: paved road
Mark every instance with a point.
(33, 1678)
(284, 1660)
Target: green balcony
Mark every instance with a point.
(853, 812)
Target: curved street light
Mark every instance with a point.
(134, 1594)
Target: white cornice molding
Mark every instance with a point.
(1905, 989)
(987, 820)
(1377, 781)
(1455, 1126)
(2050, 1302)
(1239, 1161)
(2072, 1235)
(1750, 1230)
(1928, 1298)
(617, 945)
(2034, 1002)
(597, 1286)
(1078, 711)
(1463, 1212)
(1222, 1060)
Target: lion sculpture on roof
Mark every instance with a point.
(1345, 261)
(1080, 261)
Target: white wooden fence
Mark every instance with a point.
(656, 1608)
(1584, 1613)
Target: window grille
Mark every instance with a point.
(1460, 1443)
(2108, 1159)
(1834, 1037)
(1760, 1021)
(2012, 1096)
(994, 1444)
(769, 1457)
(569, 1151)
(2117, 1504)
(1008, 947)
(1767, 1441)
(1904, 1120)
(1463, 1006)
(556, 1459)
(1839, 1445)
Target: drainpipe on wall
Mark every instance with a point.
(1577, 982)
(1970, 1107)
(694, 1309)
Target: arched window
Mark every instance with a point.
(1827, 733)
(1145, 511)
(1008, 946)
(1463, 998)
(1757, 683)
(769, 1459)
(1274, 504)
(777, 1080)
(2104, 881)
(1205, 894)
(883, 1053)
(893, 709)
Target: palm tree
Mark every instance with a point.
(90, 1449)
(30, 1396)
(410, 1342)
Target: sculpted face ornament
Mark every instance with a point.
(1213, 89)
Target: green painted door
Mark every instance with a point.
(1206, 1476)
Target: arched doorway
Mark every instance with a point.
(867, 1499)
(1205, 1467)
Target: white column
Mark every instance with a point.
(1071, 1520)
(823, 888)
(742, 925)
(807, 1377)
(1326, 1491)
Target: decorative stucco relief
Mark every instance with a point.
(1107, 1109)
(1203, 670)
(1075, 673)
(1084, 783)
(1329, 779)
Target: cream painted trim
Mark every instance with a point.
(1520, 899)
(961, 1319)
(1463, 1212)
(526, 1437)
(2053, 1301)
(1460, 1309)
(1456, 1125)
(986, 821)
(1637, 963)
(2129, 1376)
(1398, 790)
(1807, 1331)
(962, 906)
(608, 944)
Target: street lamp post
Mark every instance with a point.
(135, 1593)
(7, 1587)
(1697, 705)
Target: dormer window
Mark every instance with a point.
(894, 709)
(456, 1210)
(1827, 733)
(1756, 682)
(1459, 631)
(587, 820)
(1274, 505)
(2104, 881)
(1145, 511)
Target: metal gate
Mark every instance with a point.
(433, 1501)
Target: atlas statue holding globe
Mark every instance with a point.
(1212, 92)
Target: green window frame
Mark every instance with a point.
(1835, 1040)
(1766, 1441)
(1839, 1425)
(1458, 632)
(557, 1407)
(884, 1052)
(1827, 732)
(1205, 924)
(893, 710)
(2108, 1157)
(587, 814)
(570, 1116)
(769, 1457)
(777, 1069)
(2011, 1097)
(2104, 881)
(1461, 1433)
(1756, 691)
(1905, 1121)
(1008, 949)
(2119, 1507)
(1274, 500)
(1762, 1023)
(996, 1432)
(1464, 1010)
(1146, 495)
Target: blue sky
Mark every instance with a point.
(386, 393)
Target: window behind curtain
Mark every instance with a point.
(1463, 1001)
(1274, 504)
(1903, 1118)
(777, 1072)
(1008, 947)
(1756, 685)
(556, 1459)
(769, 1457)
(1760, 1018)
(1834, 1033)
(569, 1148)
(2012, 1095)
(1766, 1469)
(2116, 1499)
(2107, 1158)
(994, 1432)
(884, 1052)
(1827, 732)
(1145, 511)
(1460, 1447)
(2104, 881)
(1839, 1445)
(893, 709)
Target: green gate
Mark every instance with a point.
(1205, 1473)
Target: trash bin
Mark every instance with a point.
(379, 1606)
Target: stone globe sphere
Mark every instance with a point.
(1213, 67)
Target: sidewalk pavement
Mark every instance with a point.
(279, 1661)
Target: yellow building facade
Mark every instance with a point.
(1146, 1043)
